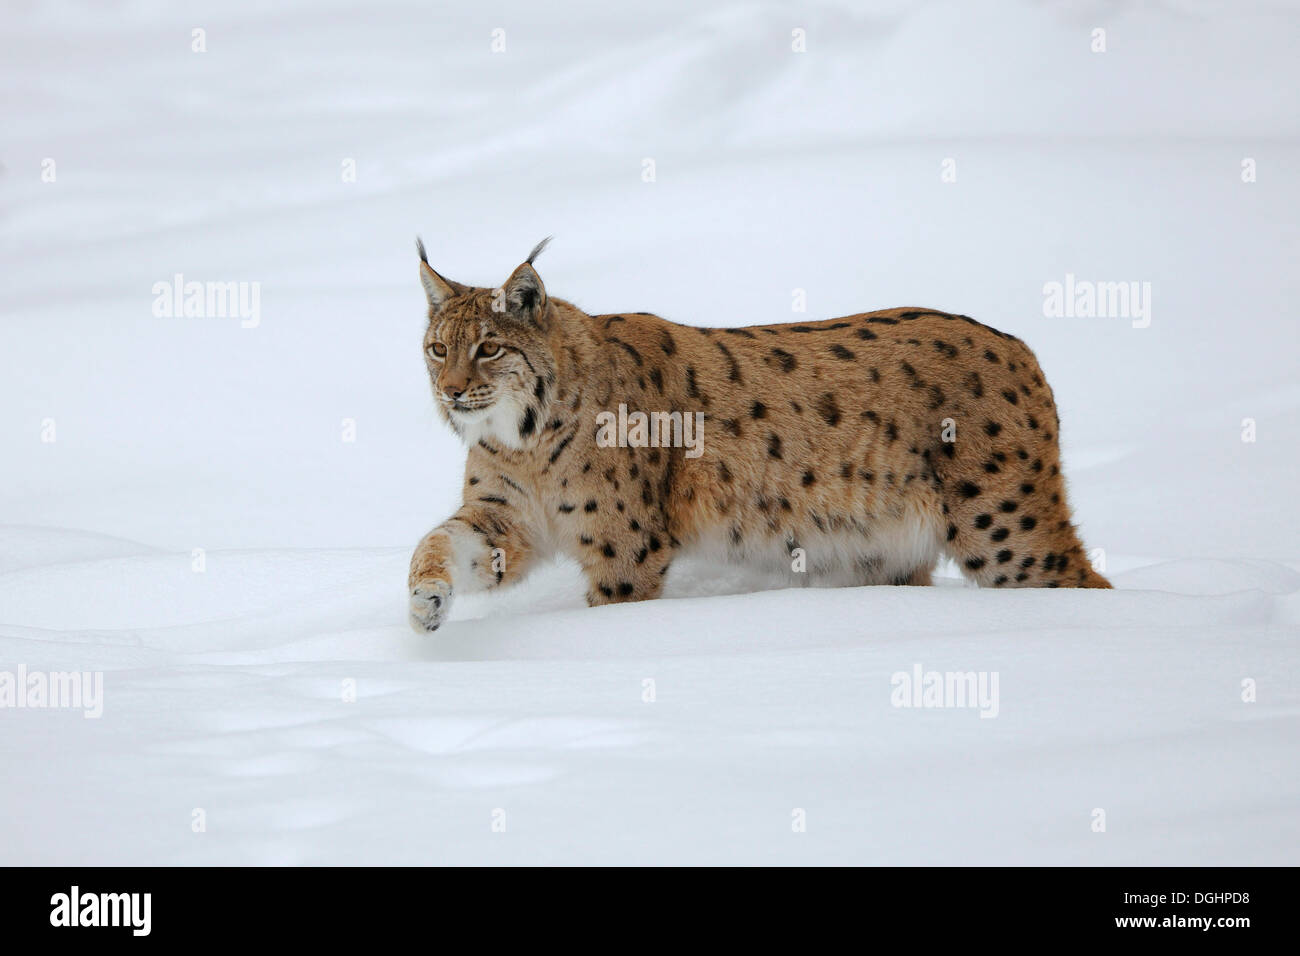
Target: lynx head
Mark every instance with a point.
(486, 349)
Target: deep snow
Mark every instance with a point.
(226, 690)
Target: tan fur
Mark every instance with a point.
(823, 436)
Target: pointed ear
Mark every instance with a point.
(437, 289)
(525, 295)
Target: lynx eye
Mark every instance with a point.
(438, 350)
(488, 350)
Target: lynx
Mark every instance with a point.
(866, 446)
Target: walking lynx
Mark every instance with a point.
(868, 446)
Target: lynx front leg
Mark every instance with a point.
(476, 548)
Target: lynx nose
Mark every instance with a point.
(454, 390)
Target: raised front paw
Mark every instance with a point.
(430, 603)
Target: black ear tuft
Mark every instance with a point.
(419, 247)
(537, 249)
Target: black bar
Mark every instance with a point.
(338, 905)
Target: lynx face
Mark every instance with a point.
(486, 351)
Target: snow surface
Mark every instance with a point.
(226, 691)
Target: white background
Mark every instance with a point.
(775, 170)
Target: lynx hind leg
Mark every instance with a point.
(920, 577)
(1008, 523)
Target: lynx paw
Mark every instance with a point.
(430, 603)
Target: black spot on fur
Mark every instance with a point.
(590, 506)
(968, 489)
(564, 443)
(773, 445)
(1028, 522)
(1000, 534)
(992, 429)
(983, 521)
(529, 422)
(757, 410)
(828, 410)
(630, 350)
(733, 368)
(974, 563)
(784, 359)
(840, 352)
(808, 478)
